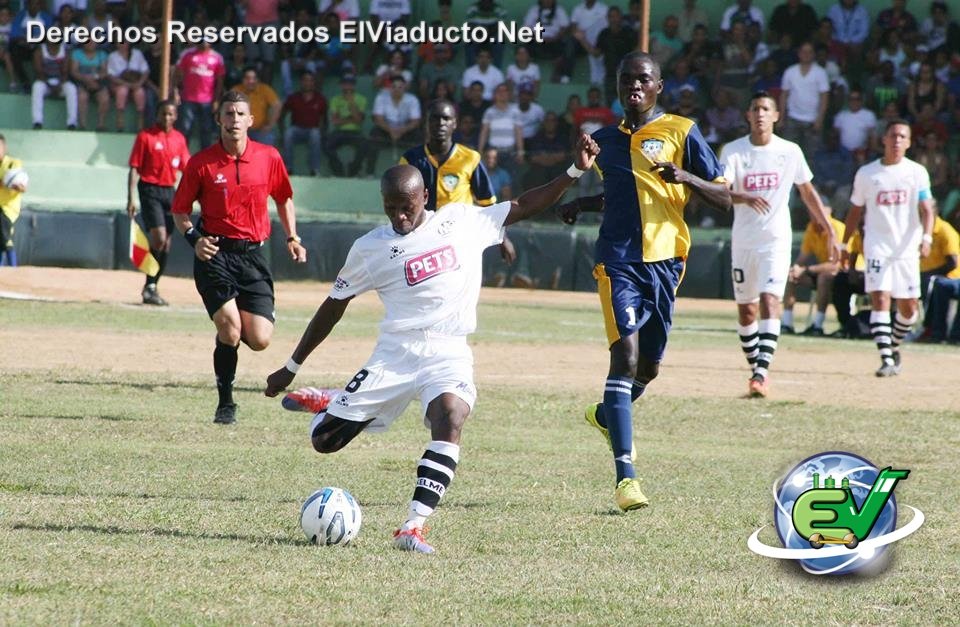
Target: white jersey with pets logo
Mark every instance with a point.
(430, 278)
(891, 196)
(770, 171)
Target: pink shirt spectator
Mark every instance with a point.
(200, 68)
(262, 12)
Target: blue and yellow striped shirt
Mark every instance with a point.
(643, 215)
(459, 177)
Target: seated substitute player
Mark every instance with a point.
(893, 196)
(452, 173)
(232, 180)
(813, 268)
(426, 268)
(760, 169)
(652, 163)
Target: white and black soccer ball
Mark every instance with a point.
(330, 516)
(15, 176)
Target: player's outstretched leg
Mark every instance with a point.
(596, 418)
(434, 474)
(880, 328)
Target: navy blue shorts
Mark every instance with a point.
(639, 297)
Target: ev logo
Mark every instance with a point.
(858, 519)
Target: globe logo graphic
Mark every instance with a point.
(842, 469)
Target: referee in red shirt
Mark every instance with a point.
(232, 180)
(158, 153)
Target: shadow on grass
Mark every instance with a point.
(150, 387)
(113, 530)
(40, 491)
(75, 417)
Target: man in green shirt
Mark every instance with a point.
(347, 111)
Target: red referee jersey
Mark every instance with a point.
(158, 155)
(233, 191)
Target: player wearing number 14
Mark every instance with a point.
(897, 230)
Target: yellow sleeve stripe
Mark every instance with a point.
(487, 202)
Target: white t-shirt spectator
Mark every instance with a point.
(502, 127)
(590, 20)
(803, 99)
(117, 65)
(553, 21)
(397, 114)
(529, 75)
(490, 79)
(933, 36)
(345, 9)
(390, 10)
(855, 128)
(531, 119)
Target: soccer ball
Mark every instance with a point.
(15, 176)
(330, 516)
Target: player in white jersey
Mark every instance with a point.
(897, 230)
(760, 169)
(426, 268)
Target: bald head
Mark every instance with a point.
(401, 179)
(404, 197)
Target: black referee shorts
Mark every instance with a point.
(155, 203)
(230, 275)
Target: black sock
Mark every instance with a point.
(225, 367)
(161, 257)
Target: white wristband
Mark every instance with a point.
(574, 172)
(292, 366)
(927, 238)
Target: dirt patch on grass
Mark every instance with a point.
(832, 372)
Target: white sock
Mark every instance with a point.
(818, 319)
(787, 317)
(769, 334)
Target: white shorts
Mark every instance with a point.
(756, 272)
(900, 277)
(405, 366)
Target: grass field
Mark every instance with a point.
(121, 502)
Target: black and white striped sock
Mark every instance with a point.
(769, 334)
(749, 342)
(434, 474)
(880, 329)
(901, 327)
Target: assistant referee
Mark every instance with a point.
(158, 154)
(232, 179)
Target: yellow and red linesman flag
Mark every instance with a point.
(140, 255)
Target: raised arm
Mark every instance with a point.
(322, 323)
(533, 201)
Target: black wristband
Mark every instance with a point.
(192, 236)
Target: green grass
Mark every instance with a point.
(121, 502)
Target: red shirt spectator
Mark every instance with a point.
(233, 193)
(594, 116)
(158, 155)
(307, 110)
(201, 68)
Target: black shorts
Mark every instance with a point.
(155, 203)
(244, 276)
(6, 232)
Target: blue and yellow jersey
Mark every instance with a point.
(642, 215)
(9, 198)
(458, 177)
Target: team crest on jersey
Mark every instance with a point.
(449, 182)
(221, 179)
(652, 149)
(445, 227)
(158, 146)
(430, 264)
(396, 251)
